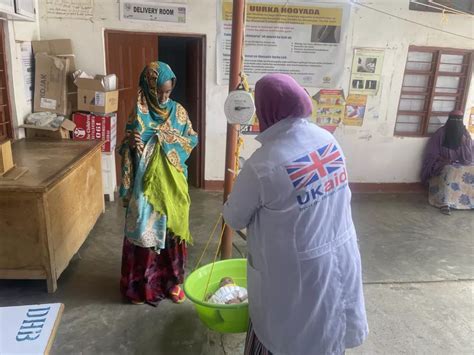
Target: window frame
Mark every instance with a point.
(450, 7)
(430, 93)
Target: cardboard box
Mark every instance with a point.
(90, 126)
(92, 96)
(6, 157)
(54, 87)
(51, 84)
(60, 48)
(63, 132)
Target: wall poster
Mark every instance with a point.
(366, 71)
(251, 128)
(305, 40)
(329, 109)
(471, 120)
(27, 60)
(355, 110)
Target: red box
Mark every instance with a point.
(90, 126)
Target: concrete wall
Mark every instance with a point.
(15, 33)
(374, 154)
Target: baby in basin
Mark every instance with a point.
(228, 293)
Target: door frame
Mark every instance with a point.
(201, 126)
(7, 122)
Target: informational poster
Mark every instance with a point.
(355, 110)
(471, 120)
(27, 61)
(329, 110)
(251, 128)
(305, 40)
(158, 12)
(366, 71)
(78, 9)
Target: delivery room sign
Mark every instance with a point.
(159, 12)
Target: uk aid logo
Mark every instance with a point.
(317, 175)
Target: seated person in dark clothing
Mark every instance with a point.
(447, 166)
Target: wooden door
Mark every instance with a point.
(6, 130)
(126, 56)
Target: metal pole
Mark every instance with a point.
(238, 11)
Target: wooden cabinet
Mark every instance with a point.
(47, 214)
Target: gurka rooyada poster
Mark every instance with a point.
(305, 40)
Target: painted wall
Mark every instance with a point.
(88, 42)
(373, 153)
(15, 33)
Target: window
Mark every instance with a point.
(5, 122)
(435, 82)
(449, 6)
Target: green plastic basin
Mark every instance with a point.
(232, 318)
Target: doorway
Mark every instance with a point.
(127, 53)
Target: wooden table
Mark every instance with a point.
(47, 214)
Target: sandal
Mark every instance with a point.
(137, 302)
(177, 294)
(446, 210)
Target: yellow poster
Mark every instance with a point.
(287, 14)
(355, 110)
(329, 109)
(471, 120)
(305, 40)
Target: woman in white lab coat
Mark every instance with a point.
(304, 269)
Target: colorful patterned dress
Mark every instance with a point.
(154, 189)
(453, 187)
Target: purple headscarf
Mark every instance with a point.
(279, 96)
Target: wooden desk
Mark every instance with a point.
(47, 214)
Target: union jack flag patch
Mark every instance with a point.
(315, 166)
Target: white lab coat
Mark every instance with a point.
(304, 269)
